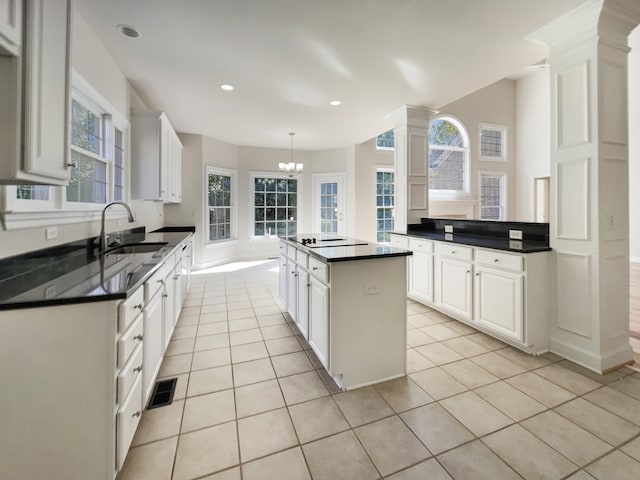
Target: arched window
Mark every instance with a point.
(448, 156)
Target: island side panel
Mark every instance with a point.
(368, 330)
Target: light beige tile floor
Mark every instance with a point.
(253, 402)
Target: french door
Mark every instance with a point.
(329, 203)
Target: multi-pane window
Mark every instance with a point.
(448, 156)
(88, 182)
(493, 142)
(118, 164)
(220, 204)
(385, 141)
(329, 207)
(384, 204)
(33, 192)
(275, 206)
(492, 196)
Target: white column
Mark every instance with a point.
(411, 163)
(589, 229)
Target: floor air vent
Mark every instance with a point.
(163, 393)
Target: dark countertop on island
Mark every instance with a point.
(341, 249)
(75, 273)
(520, 246)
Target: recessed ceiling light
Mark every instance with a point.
(129, 31)
(335, 103)
(226, 87)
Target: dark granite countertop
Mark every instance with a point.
(75, 273)
(520, 246)
(334, 248)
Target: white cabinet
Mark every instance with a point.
(319, 319)
(168, 307)
(10, 26)
(34, 98)
(283, 273)
(498, 301)
(454, 291)
(157, 154)
(292, 289)
(302, 318)
(421, 270)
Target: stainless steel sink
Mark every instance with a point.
(135, 248)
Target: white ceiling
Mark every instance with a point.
(289, 58)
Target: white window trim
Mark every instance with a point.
(503, 189)
(210, 169)
(252, 211)
(389, 169)
(495, 127)
(465, 193)
(19, 214)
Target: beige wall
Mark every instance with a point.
(634, 145)
(533, 139)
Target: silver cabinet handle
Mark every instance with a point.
(176, 277)
(468, 271)
(495, 260)
(314, 268)
(72, 164)
(477, 274)
(138, 337)
(160, 281)
(165, 295)
(138, 306)
(138, 368)
(137, 414)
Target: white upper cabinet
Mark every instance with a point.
(157, 158)
(10, 26)
(34, 98)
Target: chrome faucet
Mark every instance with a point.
(102, 241)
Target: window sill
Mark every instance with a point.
(221, 243)
(12, 220)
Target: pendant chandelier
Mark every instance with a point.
(290, 168)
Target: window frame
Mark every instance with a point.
(383, 169)
(23, 213)
(441, 194)
(213, 170)
(503, 193)
(496, 128)
(252, 207)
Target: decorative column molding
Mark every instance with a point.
(589, 229)
(411, 162)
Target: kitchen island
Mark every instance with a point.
(349, 300)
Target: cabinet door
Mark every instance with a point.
(292, 290)
(176, 168)
(168, 309)
(455, 293)
(178, 285)
(282, 279)
(165, 154)
(46, 90)
(319, 320)
(421, 277)
(10, 26)
(152, 343)
(303, 303)
(498, 301)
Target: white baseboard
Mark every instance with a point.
(597, 363)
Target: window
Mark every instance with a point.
(275, 205)
(448, 156)
(493, 142)
(385, 141)
(220, 203)
(384, 204)
(492, 196)
(98, 151)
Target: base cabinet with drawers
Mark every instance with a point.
(505, 294)
(90, 369)
(352, 313)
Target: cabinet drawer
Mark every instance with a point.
(129, 339)
(283, 248)
(154, 284)
(319, 269)
(455, 251)
(291, 252)
(130, 309)
(130, 373)
(420, 245)
(491, 258)
(399, 241)
(127, 420)
(302, 259)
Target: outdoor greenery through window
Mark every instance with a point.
(448, 156)
(384, 204)
(385, 141)
(219, 200)
(275, 206)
